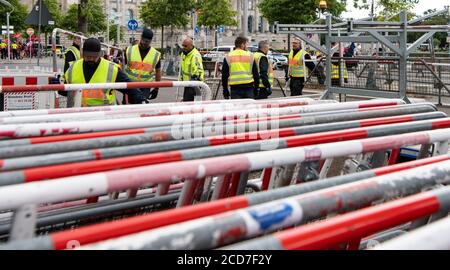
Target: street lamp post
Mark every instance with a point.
(7, 25)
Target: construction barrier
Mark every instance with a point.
(201, 158)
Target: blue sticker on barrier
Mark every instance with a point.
(275, 214)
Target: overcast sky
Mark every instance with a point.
(422, 6)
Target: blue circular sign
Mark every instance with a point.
(132, 24)
(197, 30)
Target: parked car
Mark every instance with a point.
(279, 61)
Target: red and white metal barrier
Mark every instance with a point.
(50, 129)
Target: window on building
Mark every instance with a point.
(250, 24)
(129, 15)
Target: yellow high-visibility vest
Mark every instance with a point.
(241, 64)
(141, 70)
(76, 52)
(14, 46)
(335, 72)
(258, 57)
(192, 65)
(296, 69)
(106, 72)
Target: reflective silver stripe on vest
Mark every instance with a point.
(129, 51)
(69, 73)
(239, 80)
(241, 73)
(108, 80)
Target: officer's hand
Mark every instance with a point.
(226, 94)
(269, 91)
(154, 93)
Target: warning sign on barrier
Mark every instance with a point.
(20, 101)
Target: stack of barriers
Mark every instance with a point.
(232, 174)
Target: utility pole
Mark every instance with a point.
(39, 32)
(118, 22)
(245, 21)
(107, 20)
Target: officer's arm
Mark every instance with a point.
(255, 75)
(225, 75)
(158, 71)
(70, 57)
(264, 68)
(310, 65)
(197, 68)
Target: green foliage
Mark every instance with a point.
(17, 18)
(113, 31)
(437, 20)
(95, 16)
(306, 11)
(159, 13)
(216, 12)
(386, 7)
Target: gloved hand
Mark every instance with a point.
(154, 93)
(226, 94)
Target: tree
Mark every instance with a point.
(437, 20)
(283, 10)
(113, 30)
(387, 7)
(17, 18)
(214, 13)
(95, 18)
(161, 13)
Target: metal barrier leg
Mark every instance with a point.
(131, 193)
(325, 168)
(24, 222)
(265, 176)
(394, 156)
(424, 151)
(206, 189)
(234, 183)
(243, 180)
(199, 189)
(281, 176)
(221, 187)
(187, 193)
(163, 189)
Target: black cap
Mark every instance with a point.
(147, 33)
(91, 45)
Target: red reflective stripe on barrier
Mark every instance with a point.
(443, 123)
(98, 154)
(360, 223)
(7, 81)
(377, 104)
(1, 163)
(146, 85)
(63, 170)
(325, 137)
(62, 138)
(94, 233)
(387, 120)
(409, 165)
(251, 136)
(31, 80)
(33, 88)
(92, 200)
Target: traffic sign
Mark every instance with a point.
(10, 27)
(197, 29)
(221, 29)
(132, 24)
(30, 31)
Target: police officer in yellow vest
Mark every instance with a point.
(191, 67)
(335, 69)
(143, 63)
(14, 48)
(93, 68)
(296, 70)
(3, 47)
(240, 72)
(73, 52)
(265, 70)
